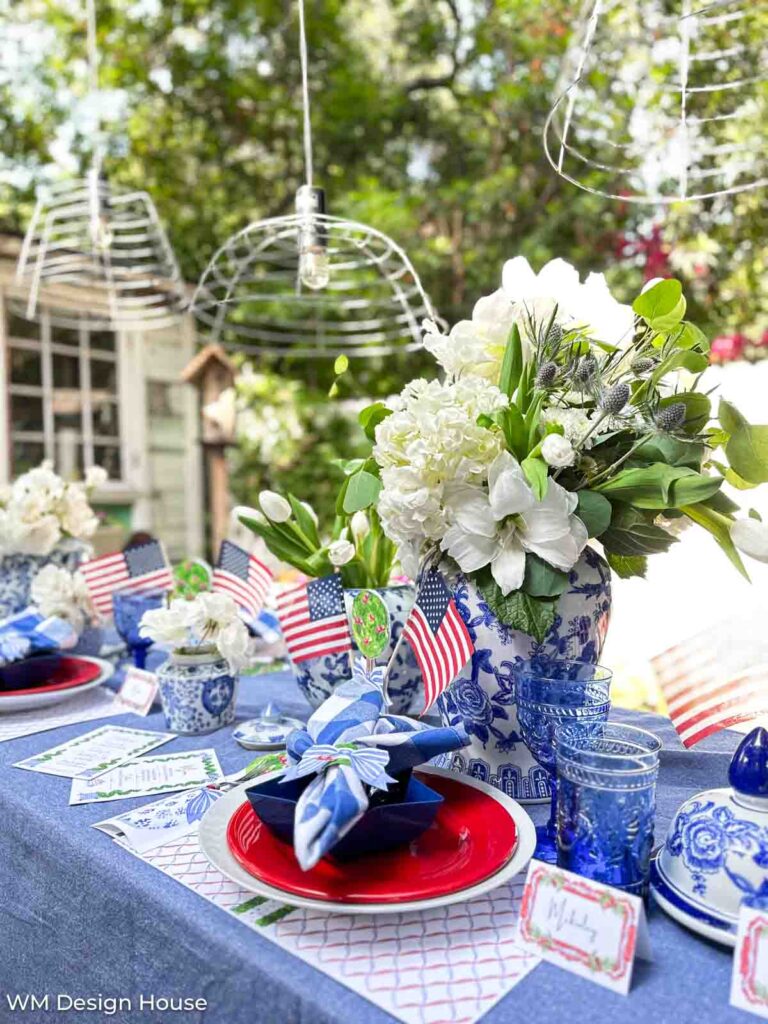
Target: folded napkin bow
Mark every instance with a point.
(28, 632)
(349, 743)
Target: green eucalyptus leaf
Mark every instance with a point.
(626, 566)
(518, 610)
(340, 365)
(361, 492)
(370, 417)
(595, 511)
(669, 449)
(690, 336)
(536, 473)
(747, 449)
(542, 579)
(695, 362)
(662, 306)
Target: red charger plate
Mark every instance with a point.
(70, 672)
(472, 837)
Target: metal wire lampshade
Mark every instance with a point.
(363, 298)
(101, 254)
(664, 100)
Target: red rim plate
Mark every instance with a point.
(472, 837)
(69, 673)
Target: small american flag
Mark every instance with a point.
(313, 618)
(242, 576)
(716, 680)
(141, 567)
(438, 636)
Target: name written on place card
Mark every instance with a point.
(589, 929)
(749, 981)
(138, 691)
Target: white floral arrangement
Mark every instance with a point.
(40, 509)
(209, 623)
(563, 415)
(63, 594)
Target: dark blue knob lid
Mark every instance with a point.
(748, 773)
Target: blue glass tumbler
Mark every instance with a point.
(548, 692)
(606, 807)
(128, 609)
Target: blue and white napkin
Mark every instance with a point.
(28, 632)
(349, 744)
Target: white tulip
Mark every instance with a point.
(557, 451)
(275, 507)
(359, 525)
(248, 512)
(340, 552)
(751, 537)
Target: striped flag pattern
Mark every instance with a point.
(711, 682)
(313, 619)
(243, 577)
(438, 636)
(138, 568)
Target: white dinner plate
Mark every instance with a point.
(29, 701)
(213, 843)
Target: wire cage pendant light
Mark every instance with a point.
(309, 284)
(96, 251)
(662, 101)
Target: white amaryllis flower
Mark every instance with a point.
(588, 306)
(275, 506)
(167, 625)
(474, 347)
(547, 528)
(751, 537)
(557, 451)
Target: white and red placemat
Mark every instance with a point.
(449, 964)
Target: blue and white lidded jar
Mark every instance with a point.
(198, 692)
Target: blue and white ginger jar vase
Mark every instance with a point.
(18, 571)
(483, 698)
(198, 693)
(319, 677)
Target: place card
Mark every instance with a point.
(95, 752)
(590, 929)
(749, 981)
(148, 776)
(163, 821)
(138, 691)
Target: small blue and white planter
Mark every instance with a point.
(319, 677)
(198, 693)
(18, 571)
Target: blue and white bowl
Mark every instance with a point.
(198, 693)
(715, 858)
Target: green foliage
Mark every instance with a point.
(659, 486)
(633, 533)
(662, 306)
(719, 526)
(361, 492)
(512, 363)
(595, 511)
(518, 610)
(747, 447)
(536, 470)
(626, 566)
(541, 579)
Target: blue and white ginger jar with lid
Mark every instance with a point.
(198, 693)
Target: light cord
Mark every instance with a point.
(304, 94)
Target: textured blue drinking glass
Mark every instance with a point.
(128, 609)
(548, 692)
(606, 807)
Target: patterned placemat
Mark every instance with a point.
(432, 967)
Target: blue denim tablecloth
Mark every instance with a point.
(79, 915)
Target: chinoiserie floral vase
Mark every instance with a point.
(482, 697)
(318, 677)
(198, 693)
(18, 571)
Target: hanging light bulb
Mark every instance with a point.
(314, 265)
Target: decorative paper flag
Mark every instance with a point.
(313, 619)
(438, 636)
(243, 577)
(141, 567)
(716, 679)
